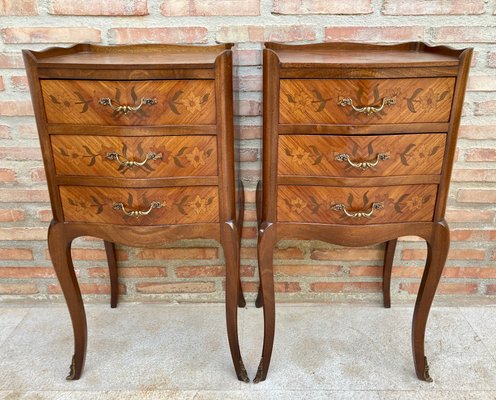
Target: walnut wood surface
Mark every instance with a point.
(178, 205)
(314, 204)
(175, 156)
(316, 100)
(302, 87)
(179, 102)
(316, 155)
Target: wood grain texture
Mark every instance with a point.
(316, 100)
(316, 155)
(406, 203)
(178, 156)
(177, 205)
(177, 102)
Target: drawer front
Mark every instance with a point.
(185, 102)
(345, 101)
(151, 206)
(135, 157)
(355, 156)
(357, 205)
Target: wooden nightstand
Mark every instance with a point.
(358, 149)
(138, 147)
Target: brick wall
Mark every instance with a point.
(193, 271)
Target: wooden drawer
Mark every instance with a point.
(355, 156)
(364, 205)
(122, 156)
(331, 101)
(151, 206)
(185, 102)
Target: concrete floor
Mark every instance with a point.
(333, 351)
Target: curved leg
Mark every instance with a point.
(112, 264)
(386, 272)
(437, 252)
(266, 243)
(60, 252)
(230, 240)
(239, 226)
(259, 300)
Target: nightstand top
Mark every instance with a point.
(147, 56)
(363, 55)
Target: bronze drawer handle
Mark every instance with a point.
(137, 213)
(113, 155)
(358, 214)
(126, 109)
(386, 101)
(362, 164)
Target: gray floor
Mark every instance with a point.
(333, 351)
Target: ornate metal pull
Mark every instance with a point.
(136, 213)
(362, 164)
(386, 101)
(113, 155)
(126, 109)
(358, 214)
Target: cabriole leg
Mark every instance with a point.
(259, 300)
(112, 265)
(437, 252)
(386, 272)
(60, 252)
(265, 249)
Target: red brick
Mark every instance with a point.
(478, 132)
(481, 83)
(18, 7)
(432, 7)
(345, 287)
(20, 153)
(248, 108)
(205, 271)
(98, 7)
(50, 35)
(13, 108)
(11, 60)
(18, 288)
(480, 155)
(470, 272)
(24, 195)
(482, 216)
(407, 272)
(492, 59)
(249, 232)
(247, 57)
(179, 253)
(464, 34)
(12, 215)
(96, 254)
(454, 254)
(129, 272)
(7, 175)
(30, 233)
(176, 8)
(38, 174)
(485, 107)
(347, 254)
(27, 272)
(45, 215)
(472, 235)
(279, 287)
(19, 83)
(288, 253)
(268, 33)
(443, 288)
(373, 33)
(27, 131)
(248, 83)
(491, 289)
(307, 270)
(175, 287)
(193, 34)
(360, 270)
(321, 7)
(476, 196)
(473, 175)
(88, 288)
(2, 87)
(248, 155)
(16, 254)
(250, 132)
(250, 215)
(4, 132)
